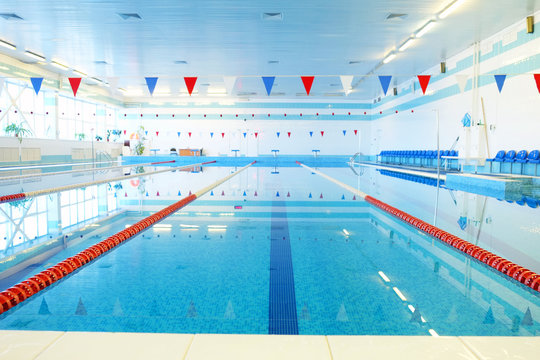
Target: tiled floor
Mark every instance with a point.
(22, 345)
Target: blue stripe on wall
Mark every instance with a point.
(282, 318)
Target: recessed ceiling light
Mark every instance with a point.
(7, 45)
(11, 16)
(406, 44)
(272, 16)
(34, 56)
(127, 16)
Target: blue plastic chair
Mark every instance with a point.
(510, 156)
(521, 156)
(534, 157)
(498, 158)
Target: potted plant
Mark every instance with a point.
(18, 130)
(139, 147)
(80, 136)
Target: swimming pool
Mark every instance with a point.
(284, 251)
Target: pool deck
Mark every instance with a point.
(22, 345)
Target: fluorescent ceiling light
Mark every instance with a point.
(401, 296)
(189, 226)
(346, 232)
(58, 65)
(429, 25)
(411, 308)
(384, 277)
(7, 45)
(163, 226)
(121, 90)
(433, 333)
(450, 8)
(5, 68)
(216, 230)
(34, 56)
(80, 73)
(389, 58)
(406, 44)
(217, 226)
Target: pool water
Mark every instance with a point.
(284, 251)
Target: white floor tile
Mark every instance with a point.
(104, 346)
(260, 347)
(22, 345)
(398, 347)
(495, 347)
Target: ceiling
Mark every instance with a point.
(218, 38)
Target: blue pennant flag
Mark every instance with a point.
(277, 134)
(244, 193)
(151, 83)
(147, 193)
(385, 82)
(499, 79)
(277, 194)
(179, 194)
(146, 132)
(342, 197)
(310, 196)
(211, 134)
(212, 193)
(268, 83)
(344, 132)
(245, 134)
(36, 83)
(178, 134)
(311, 133)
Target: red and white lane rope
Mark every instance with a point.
(506, 267)
(31, 286)
(19, 196)
(18, 177)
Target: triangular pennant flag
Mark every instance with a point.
(117, 309)
(268, 83)
(192, 311)
(320, 197)
(304, 314)
(416, 316)
(256, 134)
(113, 84)
(223, 193)
(190, 83)
(499, 79)
(189, 193)
(355, 132)
(288, 194)
(342, 197)
(311, 133)
(74, 82)
(308, 81)
(244, 134)
(212, 193)
(211, 134)
(288, 133)
(244, 193)
(489, 318)
(342, 314)
(125, 194)
(277, 133)
(310, 196)
(461, 80)
(385, 82)
(424, 81)
(178, 134)
(222, 135)
(157, 193)
(157, 133)
(354, 197)
(527, 318)
(229, 312)
(81, 310)
(229, 83)
(346, 81)
(277, 194)
(36, 83)
(344, 132)
(536, 79)
(151, 83)
(189, 134)
(255, 194)
(146, 132)
(147, 193)
(322, 133)
(179, 193)
(44, 308)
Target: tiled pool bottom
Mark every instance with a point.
(43, 345)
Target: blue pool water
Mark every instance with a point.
(284, 251)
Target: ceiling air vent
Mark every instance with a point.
(101, 62)
(127, 16)
(181, 62)
(396, 16)
(11, 16)
(354, 62)
(272, 16)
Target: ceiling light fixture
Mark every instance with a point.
(80, 73)
(58, 65)
(406, 44)
(7, 45)
(389, 58)
(428, 26)
(34, 56)
(450, 8)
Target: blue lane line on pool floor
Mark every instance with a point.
(282, 317)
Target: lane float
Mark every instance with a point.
(519, 273)
(33, 285)
(19, 196)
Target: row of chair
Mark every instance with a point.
(526, 200)
(521, 157)
(409, 177)
(417, 157)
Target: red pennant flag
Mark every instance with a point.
(355, 132)
(354, 197)
(424, 81)
(289, 133)
(308, 81)
(125, 194)
(288, 194)
(125, 131)
(322, 133)
(157, 194)
(157, 133)
(75, 82)
(189, 192)
(255, 193)
(256, 134)
(222, 135)
(537, 79)
(190, 83)
(223, 193)
(189, 134)
(320, 197)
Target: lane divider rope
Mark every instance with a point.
(17, 177)
(19, 196)
(37, 166)
(519, 273)
(34, 284)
